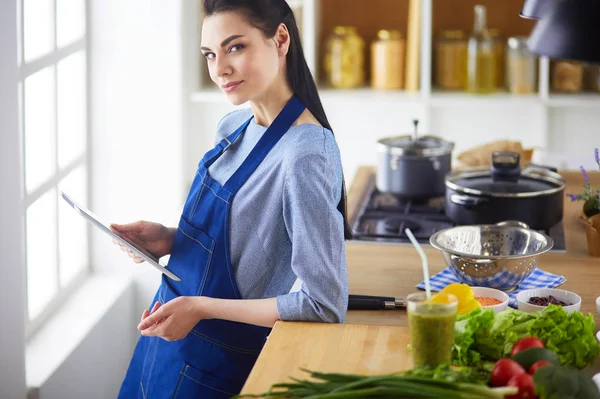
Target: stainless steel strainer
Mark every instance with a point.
(498, 256)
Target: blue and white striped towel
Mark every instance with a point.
(537, 279)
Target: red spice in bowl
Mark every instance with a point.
(484, 301)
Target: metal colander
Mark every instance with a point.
(498, 256)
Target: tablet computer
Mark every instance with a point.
(148, 257)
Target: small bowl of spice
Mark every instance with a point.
(538, 299)
(491, 298)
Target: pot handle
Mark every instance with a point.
(506, 166)
(465, 200)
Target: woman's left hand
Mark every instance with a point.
(173, 320)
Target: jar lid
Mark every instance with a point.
(517, 42)
(339, 30)
(422, 146)
(344, 29)
(389, 34)
(453, 34)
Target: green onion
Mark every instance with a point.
(343, 386)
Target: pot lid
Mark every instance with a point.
(423, 145)
(506, 179)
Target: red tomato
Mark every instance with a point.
(504, 370)
(526, 343)
(537, 365)
(526, 387)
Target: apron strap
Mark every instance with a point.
(211, 156)
(288, 115)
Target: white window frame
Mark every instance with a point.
(27, 69)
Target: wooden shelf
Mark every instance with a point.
(459, 14)
(367, 16)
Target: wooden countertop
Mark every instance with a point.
(366, 343)
(345, 348)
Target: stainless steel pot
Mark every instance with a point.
(481, 195)
(413, 167)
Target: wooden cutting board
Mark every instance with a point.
(344, 348)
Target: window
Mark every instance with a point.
(54, 129)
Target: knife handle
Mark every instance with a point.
(379, 298)
(365, 304)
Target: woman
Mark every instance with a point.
(267, 206)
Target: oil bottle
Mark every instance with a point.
(481, 76)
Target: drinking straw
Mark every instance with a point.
(424, 263)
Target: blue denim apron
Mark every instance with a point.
(215, 358)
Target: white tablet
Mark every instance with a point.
(87, 214)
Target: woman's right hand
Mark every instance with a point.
(153, 237)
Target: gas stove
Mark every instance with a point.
(383, 217)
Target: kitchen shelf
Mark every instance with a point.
(582, 100)
(461, 99)
(360, 95)
(436, 99)
(543, 119)
(367, 16)
(368, 94)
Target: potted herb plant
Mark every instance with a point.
(591, 209)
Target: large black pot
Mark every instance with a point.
(413, 167)
(534, 195)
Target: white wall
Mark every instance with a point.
(137, 163)
(573, 133)
(12, 293)
(95, 369)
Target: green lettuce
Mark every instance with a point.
(482, 336)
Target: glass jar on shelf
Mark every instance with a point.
(481, 76)
(591, 78)
(387, 60)
(450, 60)
(567, 76)
(500, 54)
(344, 61)
(521, 67)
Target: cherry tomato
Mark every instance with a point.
(526, 387)
(526, 343)
(537, 365)
(504, 370)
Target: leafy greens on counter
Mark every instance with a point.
(481, 335)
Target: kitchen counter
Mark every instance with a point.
(340, 348)
(369, 339)
(393, 269)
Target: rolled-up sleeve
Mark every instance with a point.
(312, 190)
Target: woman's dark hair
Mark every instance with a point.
(266, 15)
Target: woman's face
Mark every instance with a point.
(241, 60)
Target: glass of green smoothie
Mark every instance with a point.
(431, 325)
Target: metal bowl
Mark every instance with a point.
(498, 256)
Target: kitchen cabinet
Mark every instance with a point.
(555, 123)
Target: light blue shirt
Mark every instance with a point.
(284, 220)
